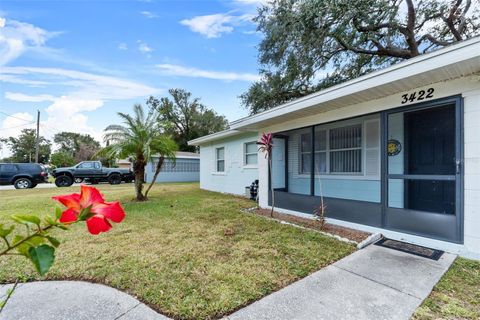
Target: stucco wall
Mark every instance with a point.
(237, 175)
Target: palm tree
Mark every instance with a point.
(266, 146)
(140, 138)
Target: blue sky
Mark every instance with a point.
(79, 62)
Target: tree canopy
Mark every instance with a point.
(62, 159)
(313, 44)
(79, 146)
(186, 118)
(23, 147)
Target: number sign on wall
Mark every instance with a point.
(417, 95)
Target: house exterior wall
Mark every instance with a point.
(237, 175)
(472, 171)
(185, 170)
(469, 89)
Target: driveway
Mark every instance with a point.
(372, 283)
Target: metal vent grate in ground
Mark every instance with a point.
(410, 248)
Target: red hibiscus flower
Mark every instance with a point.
(90, 206)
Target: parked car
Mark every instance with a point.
(92, 172)
(22, 175)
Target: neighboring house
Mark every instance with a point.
(186, 168)
(396, 151)
(124, 164)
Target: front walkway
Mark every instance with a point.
(373, 283)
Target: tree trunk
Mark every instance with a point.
(139, 170)
(271, 183)
(157, 171)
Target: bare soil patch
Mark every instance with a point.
(348, 233)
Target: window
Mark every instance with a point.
(346, 149)
(336, 150)
(220, 159)
(320, 151)
(305, 153)
(8, 168)
(180, 165)
(85, 165)
(251, 156)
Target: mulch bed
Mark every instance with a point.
(351, 234)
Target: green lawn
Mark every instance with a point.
(456, 296)
(177, 252)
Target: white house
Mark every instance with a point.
(396, 151)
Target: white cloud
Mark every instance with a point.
(148, 14)
(122, 46)
(211, 26)
(71, 105)
(143, 47)
(8, 78)
(182, 71)
(16, 96)
(18, 37)
(67, 113)
(83, 93)
(214, 25)
(93, 86)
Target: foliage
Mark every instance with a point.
(140, 138)
(23, 147)
(38, 245)
(171, 252)
(266, 146)
(185, 118)
(313, 44)
(320, 213)
(62, 159)
(80, 146)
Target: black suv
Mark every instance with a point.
(22, 175)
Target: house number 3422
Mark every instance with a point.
(418, 95)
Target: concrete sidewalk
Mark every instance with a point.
(373, 283)
(73, 300)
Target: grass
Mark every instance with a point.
(188, 253)
(457, 294)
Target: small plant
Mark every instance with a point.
(38, 245)
(320, 214)
(266, 146)
(321, 211)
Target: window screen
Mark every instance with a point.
(320, 151)
(305, 153)
(346, 149)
